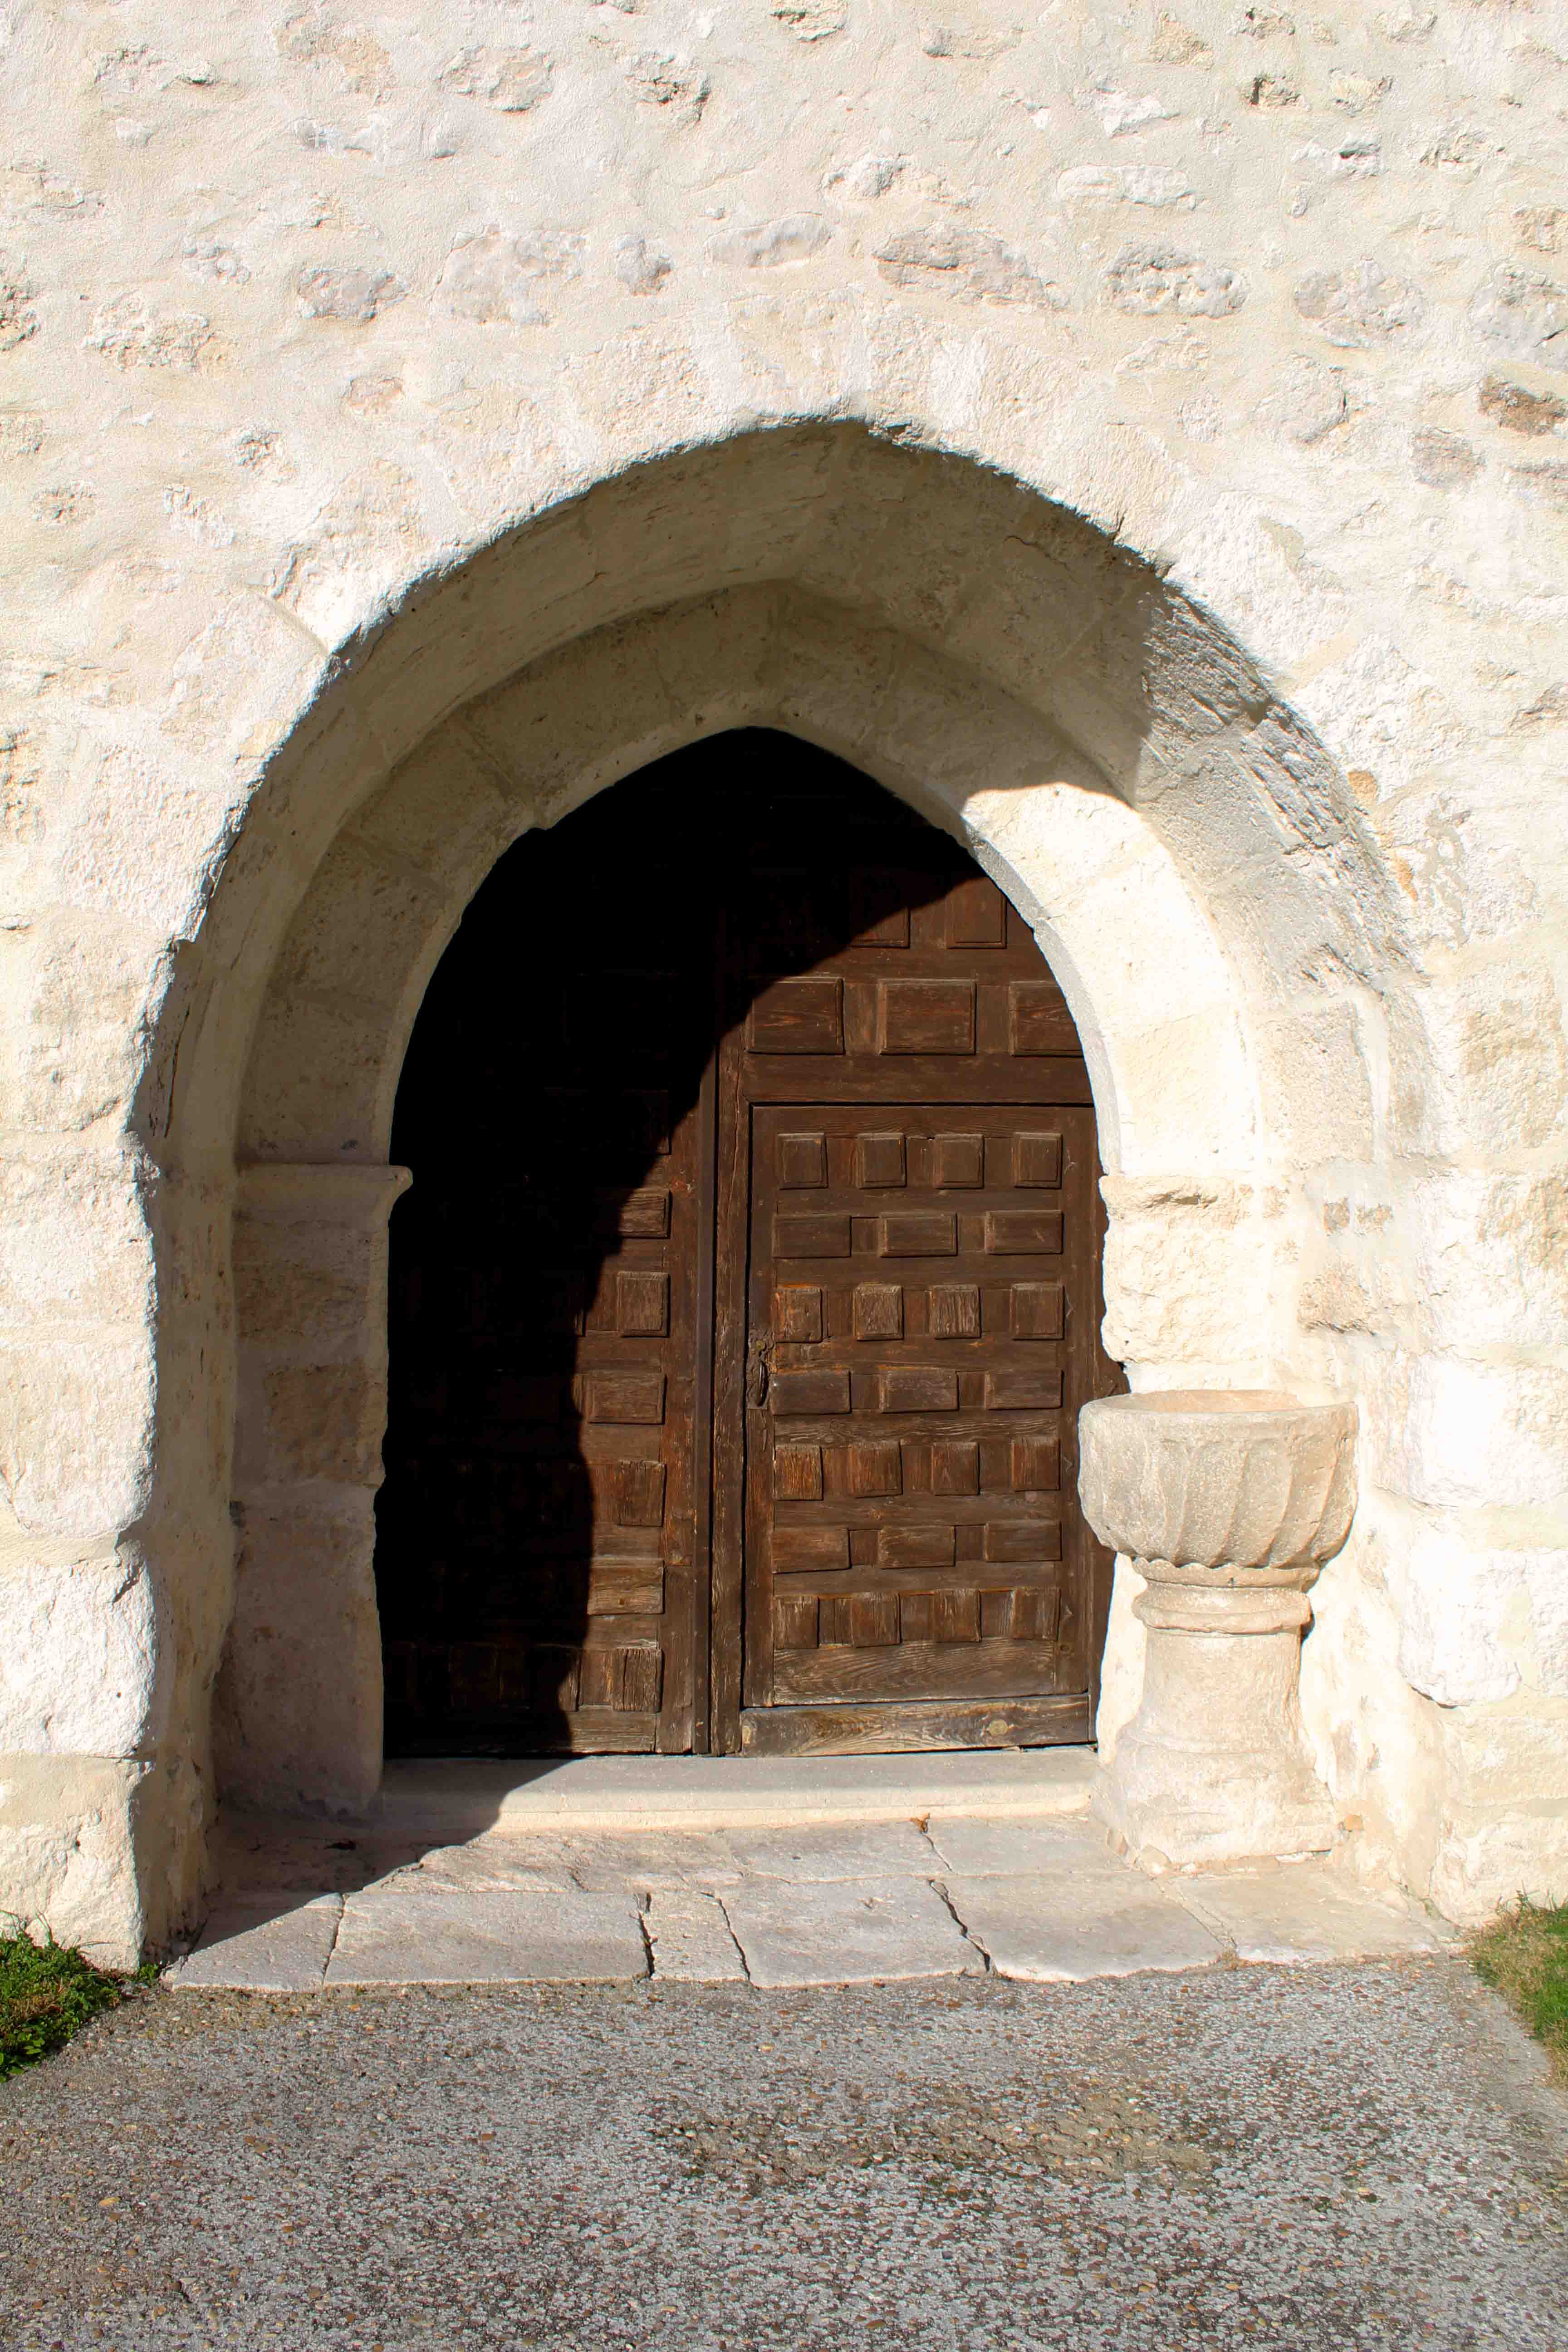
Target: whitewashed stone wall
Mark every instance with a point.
(1139, 436)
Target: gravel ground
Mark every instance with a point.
(1348, 2156)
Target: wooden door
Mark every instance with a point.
(542, 1541)
(799, 1117)
(909, 1254)
(912, 1578)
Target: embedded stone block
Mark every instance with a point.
(309, 1260)
(1457, 1434)
(351, 936)
(297, 1709)
(317, 1076)
(1504, 1830)
(1479, 1620)
(1496, 1043)
(98, 1385)
(76, 1666)
(68, 1852)
(441, 812)
(325, 1421)
(1187, 1272)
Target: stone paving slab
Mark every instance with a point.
(405, 1933)
(879, 1849)
(1068, 1925)
(974, 1849)
(645, 1859)
(264, 1853)
(265, 1943)
(1303, 1914)
(842, 1931)
(503, 1865)
(641, 1858)
(689, 1939)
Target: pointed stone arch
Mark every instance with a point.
(1190, 859)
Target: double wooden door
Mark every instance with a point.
(746, 1295)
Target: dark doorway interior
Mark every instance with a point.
(746, 1293)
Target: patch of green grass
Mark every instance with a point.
(1524, 1955)
(46, 1993)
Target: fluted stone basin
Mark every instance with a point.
(1204, 1478)
(1227, 1502)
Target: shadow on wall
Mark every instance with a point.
(552, 1098)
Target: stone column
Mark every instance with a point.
(1229, 1502)
(298, 1718)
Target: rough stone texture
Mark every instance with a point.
(689, 1939)
(266, 1944)
(891, 1850)
(1289, 1915)
(493, 1865)
(484, 1935)
(1218, 1479)
(982, 1849)
(846, 1931)
(309, 1258)
(1063, 1925)
(1139, 443)
(66, 1863)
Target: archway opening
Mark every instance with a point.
(747, 1293)
(1144, 834)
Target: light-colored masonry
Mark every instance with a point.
(1138, 436)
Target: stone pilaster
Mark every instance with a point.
(298, 1713)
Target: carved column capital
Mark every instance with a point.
(356, 1194)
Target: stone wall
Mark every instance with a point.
(1140, 436)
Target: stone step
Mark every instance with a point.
(449, 1800)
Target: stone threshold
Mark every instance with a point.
(452, 1799)
(819, 1903)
